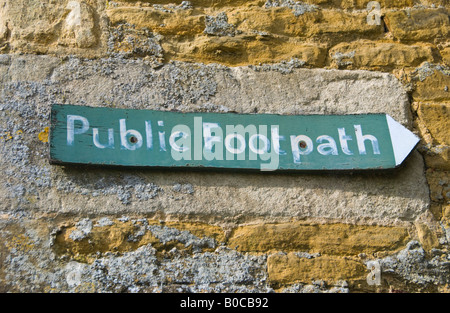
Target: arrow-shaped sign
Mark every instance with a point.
(146, 138)
(403, 141)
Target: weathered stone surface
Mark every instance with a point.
(411, 264)
(32, 262)
(427, 238)
(446, 220)
(445, 53)
(437, 156)
(347, 4)
(291, 267)
(320, 23)
(419, 24)
(362, 4)
(244, 35)
(175, 22)
(315, 91)
(61, 27)
(200, 3)
(129, 42)
(88, 238)
(379, 55)
(432, 82)
(334, 239)
(433, 124)
(32, 184)
(248, 49)
(436, 118)
(78, 28)
(440, 185)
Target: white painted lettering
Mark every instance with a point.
(328, 148)
(237, 133)
(343, 138)
(360, 139)
(180, 142)
(301, 145)
(259, 138)
(212, 142)
(72, 131)
(97, 143)
(231, 147)
(149, 134)
(129, 139)
(276, 140)
(162, 138)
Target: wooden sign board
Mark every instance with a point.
(267, 142)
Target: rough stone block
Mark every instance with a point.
(439, 181)
(418, 24)
(334, 239)
(380, 55)
(243, 50)
(318, 23)
(69, 27)
(78, 28)
(86, 229)
(437, 157)
(170, 23)
(436, 119)
(87, 238)
(385, 4)
(291, 268)
(432, 83)
(427, 238)
(36, 258)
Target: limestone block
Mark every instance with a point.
(48, 26)
(432, 82)
(267, 89)
(320, 23)
(86, 238)
(334, 239)
(362, 4)
(418, 24)
(177, 22)
(290, 268)
(439, 181)
(437, 157)
(436, 118)
(34, 261)
(78, 26)
(380, 55)
(244, 50)
(427, 238)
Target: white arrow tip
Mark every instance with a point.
(403, 140)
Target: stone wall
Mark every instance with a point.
(77, 229)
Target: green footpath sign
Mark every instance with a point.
(267, 142)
